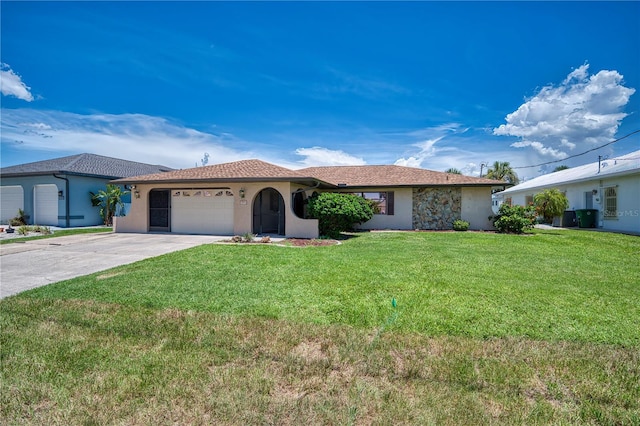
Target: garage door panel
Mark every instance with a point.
(202, 212)
(11, 199)
(46, 205)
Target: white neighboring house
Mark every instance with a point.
(610, 186)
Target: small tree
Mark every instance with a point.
(109, 201)
(550, 203)
(453, 171)
(338, 212)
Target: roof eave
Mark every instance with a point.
(303, 180)
(581, 180)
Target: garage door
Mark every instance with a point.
(11, 199)
(45, 205)
(202, 211)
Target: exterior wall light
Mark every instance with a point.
(61, 195)
(136, 194)
(241, 192)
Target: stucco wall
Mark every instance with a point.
(628, 217)
(476, 207)
(137, 220)
(401, 217)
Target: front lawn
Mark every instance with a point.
(540, 328)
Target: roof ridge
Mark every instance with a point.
(70, 164)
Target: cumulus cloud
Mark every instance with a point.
(135, 137)
(318, 156)
(11, 84)
(583, 109)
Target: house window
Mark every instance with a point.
(610, 202)
(528, 200)
(507, 201)
(384, 201)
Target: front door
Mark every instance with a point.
(159, 210)
(588, 200)
(268, 213)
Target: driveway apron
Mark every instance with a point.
(31, 264)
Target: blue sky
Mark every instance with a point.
(424, 84)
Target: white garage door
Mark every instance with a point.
(206, 211)
(11, 199)
(45, 205)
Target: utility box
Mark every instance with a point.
(587, 218)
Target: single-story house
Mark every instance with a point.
(611, 186)
(252, 196)
(56, 192)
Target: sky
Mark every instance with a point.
(433, 85)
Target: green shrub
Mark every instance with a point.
(460, 225)
(338, 212)
(514, 219)
(23, 230)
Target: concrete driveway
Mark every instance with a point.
(31, 264)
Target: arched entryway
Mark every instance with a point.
(268, 212)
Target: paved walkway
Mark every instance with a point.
(30, 264)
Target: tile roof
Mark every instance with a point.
(370, 176)
(623, 165)
(351, 176)
(84, 164)
(236, 171)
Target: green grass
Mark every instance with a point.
(59, 233)
(488, 328)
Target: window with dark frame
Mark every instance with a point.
(384, 201)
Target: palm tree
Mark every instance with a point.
(501, 170)
(453, 170)
(109, 201)
(559, 168)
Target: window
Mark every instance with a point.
(528, 200)
(610, 202)
(507, 201)
(384, 201)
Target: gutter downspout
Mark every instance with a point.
(66, 200)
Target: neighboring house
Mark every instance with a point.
(611, 186)
(56, 192)
(262, 198)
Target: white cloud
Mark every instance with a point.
(427, 149)
(582, 110)
(11, 84)
(135, 137)
(318, 156)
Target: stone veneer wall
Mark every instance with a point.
(436, 208)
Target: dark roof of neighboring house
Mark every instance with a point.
(370, 176)
(331, 176)
(84, 165)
